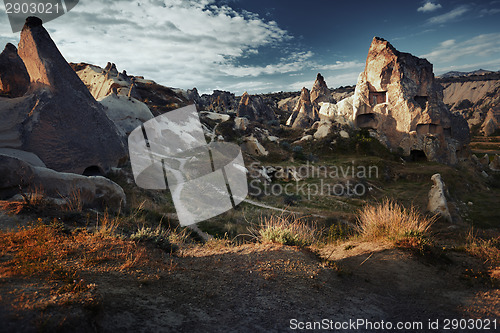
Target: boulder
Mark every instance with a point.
(254, 108)
(437, 198)
(495, 163)
(14, 78)
(340, 113)
(126, 112)
(215, 116)
(252, 146)
(94, 192)
(241, 123)
(485, 160)
(325, 128)
(397, 96)
(66, 127)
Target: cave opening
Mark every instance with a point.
(418, 156)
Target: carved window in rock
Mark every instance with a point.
(377, 97)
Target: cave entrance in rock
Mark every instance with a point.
(377, 97)
(422, 101)
(93, 170)
(418, 156)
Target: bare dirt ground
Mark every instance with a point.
(255, 288)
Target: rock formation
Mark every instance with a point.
(94, 192)
(302, 116)
(491, 123)
(254, 108)
(59, 121)
(397, 97)
(220, 101)
(14, 78)
(437, 198)
(307, 109)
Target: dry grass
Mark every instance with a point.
(486, 249)
(32, 201)
(392, 221)
(286, 230)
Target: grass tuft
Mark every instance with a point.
(286, 230)
(392, 221)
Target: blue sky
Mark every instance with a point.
(264, 46)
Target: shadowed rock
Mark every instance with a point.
(63, 125)
(254, 108)
(14, 78)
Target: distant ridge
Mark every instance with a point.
(477, 75)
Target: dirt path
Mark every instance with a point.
(261, 288)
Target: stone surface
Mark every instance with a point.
(241, 123)
(126, 112)
(397, 96)
(66, 127)
(307, 109)
(254, 108)
(302, 115)
(252, 146)
(14, 78)
(491, 122)
(495, 163)
(437, 198)
(95, 192)
(325, 128)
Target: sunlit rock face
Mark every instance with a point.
(60, 121)
(254, 108)
(397, 97)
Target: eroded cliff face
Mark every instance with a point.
(397, 97)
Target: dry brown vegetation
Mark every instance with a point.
(392, 221)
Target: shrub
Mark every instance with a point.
(159, 237)
(392, 221)
(288, 230)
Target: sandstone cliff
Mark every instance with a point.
(398, 98)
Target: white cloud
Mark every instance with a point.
(429, 7)
(450, 51)
(180, 43)
(341, 65)
(450, 16)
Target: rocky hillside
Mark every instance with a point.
(475, 96)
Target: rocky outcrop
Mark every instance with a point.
(126, 112)
(302, 116)
(307, 109)
(60, 121)
(437, 198)
(103, 82)
(220, 101)
(398, 98)
(254, 108)
(340, 113)
(491, 123)
(319, 94)
(93, 192)
(14, 78)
